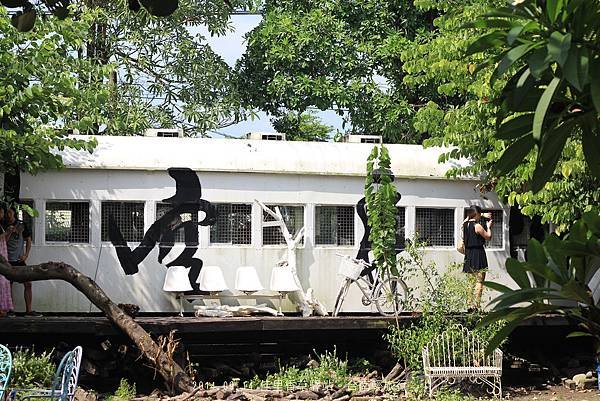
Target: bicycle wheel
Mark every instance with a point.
(390, 296)
(339, 300)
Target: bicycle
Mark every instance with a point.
(389, 294)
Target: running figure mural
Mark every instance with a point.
(187, 199)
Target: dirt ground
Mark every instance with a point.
(553, 393)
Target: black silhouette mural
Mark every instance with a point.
(365, 244)
(187, 199)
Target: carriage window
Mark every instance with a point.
(163, 208)
(68, 222)
(129, 216)
(233, 226)
(401, 222)
(294, 221)
(334, 225)
(435, 226)
(497, 234)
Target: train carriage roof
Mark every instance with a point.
(241, 155)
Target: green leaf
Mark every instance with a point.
(578, 334)
(577, 292)
(539, 61)
(542, 107)
(535, 252)
(514, 317)
(513, 34)
(550, 151)
(592, 220)
(591, 148)
(497, 286)
(515, 270)
(492, 39)
(553, 9)
(514, 154)
(576, 67)
(515, 127)
(558, 47)
(511, 57)
(510, 12)
(525, 295)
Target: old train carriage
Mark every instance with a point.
(316, 184)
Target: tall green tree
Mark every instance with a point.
(45, 88)
(468, 123)
(548, 115)
(302, 127)
(166, 74)
(335, 54)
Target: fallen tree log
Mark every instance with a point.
(174, 376)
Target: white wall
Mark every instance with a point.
(317, 265)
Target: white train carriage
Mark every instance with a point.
(316, 184)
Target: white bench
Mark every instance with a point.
(457, 355)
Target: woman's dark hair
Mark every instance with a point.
(473, 210)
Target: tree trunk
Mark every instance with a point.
(174, 376)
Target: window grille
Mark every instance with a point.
(435, 226)
(334, 225)
(233, 226)
(163, 208)
(26, 218)
(401, 222)
(497, 231)
(68, 222)
(129, 217)
(293, 217)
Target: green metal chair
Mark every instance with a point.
(64, 383)
(5, 369)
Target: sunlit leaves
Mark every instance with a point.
(556, 42)
(565, 267)
(44, 87)
(337, 55)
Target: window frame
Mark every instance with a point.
(336, 245)
(89, 225)
(230, 244)
(142, 202)
(157, 204)
(453, 223)
(262, 227)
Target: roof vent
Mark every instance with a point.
(164, 132)
(266, 136)
(362, 138)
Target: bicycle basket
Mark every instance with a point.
(349, 268)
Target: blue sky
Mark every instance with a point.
(231, 47)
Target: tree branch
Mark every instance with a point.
(171, 372)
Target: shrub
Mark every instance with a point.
(445, 296)
(31, 370)
(329, 369)
(124, 392)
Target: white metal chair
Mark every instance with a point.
(177, 280)
(211, 279)
(457, 354)
(5, 369)
(247, 280)
(282, 281)
(65, 380)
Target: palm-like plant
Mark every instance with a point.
(554, 279)
(549, 50)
